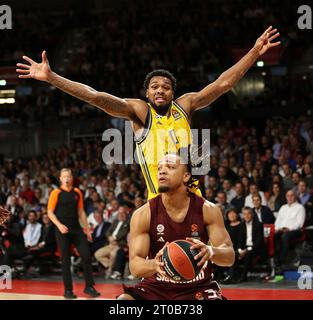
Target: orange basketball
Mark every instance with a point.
(179, 262)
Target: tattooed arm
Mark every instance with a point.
(228, 79)
(124, 108)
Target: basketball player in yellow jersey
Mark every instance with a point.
(160, 109)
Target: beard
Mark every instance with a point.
(161, 110)
(163, 189)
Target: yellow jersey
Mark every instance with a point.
(162, 135)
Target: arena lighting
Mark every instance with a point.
(8, 100)
(3, 82)
(263, 74)
(260, 63)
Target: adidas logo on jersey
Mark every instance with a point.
(161, 239)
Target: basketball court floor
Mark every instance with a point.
(52, 289)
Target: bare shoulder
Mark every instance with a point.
(185, 101)
(139, 107)
(140, 219)
(211, 212)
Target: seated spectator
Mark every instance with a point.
(288, 224)
(27, 193)
(233, 228)
(308, 173)
(239, 200)
(277, 198)
(116, 235)
(32, 231)
(263, 213)
(228, 189)
(14, 207)
(99, 238)
(125, 197)
(285, 172)
(302, 193)
(254, 190)
(222, 203)
(210, 194)
(111, 213)
(251, 241)
(46, 243)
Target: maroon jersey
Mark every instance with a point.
(163, 229)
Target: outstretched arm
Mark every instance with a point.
(228, 79)
(112, 105)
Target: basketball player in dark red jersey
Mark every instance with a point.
(172, 215)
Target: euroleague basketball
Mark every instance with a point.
(179, 262)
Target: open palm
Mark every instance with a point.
(264, 42)
(34, 70)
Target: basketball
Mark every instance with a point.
(179, 262)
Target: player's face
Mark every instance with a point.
(66, 179)
(160, 91)
(171, 173)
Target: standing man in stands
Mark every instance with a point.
(65, 208)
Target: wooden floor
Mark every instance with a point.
(53, 290)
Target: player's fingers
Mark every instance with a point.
(22, 71)
(28, 59)
(44, 56)
(267, 30)
(203, 260)
(24, 76)
(274, 36)
(272, 31)
(22, 65)
(275, 44)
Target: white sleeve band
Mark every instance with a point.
(211, 252)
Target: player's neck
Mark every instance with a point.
(175, 199)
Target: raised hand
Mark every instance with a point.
(34, 70)
(264, 42)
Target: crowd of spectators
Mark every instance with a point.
(117, 48)
(265, 173)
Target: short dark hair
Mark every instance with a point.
(159, 73)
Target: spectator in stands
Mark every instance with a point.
(239, 200)
(116, 236)
(14, 207)
(263, 213)
(288, 224)
(302, 193)
(99, 238)
(277, 198)
(233, 227)
(112, 211)
(46, 244)
(228, 189)
(251, 241)
(27, 192)
(307, 171)
(125, 197)
(222, 203)
(285, 172)
(210, 195)
(32, 231)
(295, 179)
(254, 190)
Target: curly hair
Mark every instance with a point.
(160, 73)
